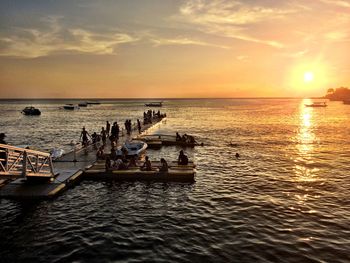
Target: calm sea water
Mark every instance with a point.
(286, 199)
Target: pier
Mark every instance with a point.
(21, 168)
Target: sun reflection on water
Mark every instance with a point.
(305, 139)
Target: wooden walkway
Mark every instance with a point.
(68, 169)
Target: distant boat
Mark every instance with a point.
(93, 102)
(31, 111)
(154, 104)
(316, 104)
(83, 104)
(132, 148)
(70, 107)
(346, 102)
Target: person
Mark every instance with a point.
(184, 138)
(178, 137)
(2, 152)
(84, 135)
(108, 127)
(113, 154)
(164, 168)
(237, 155)
(147, 166)
(139, 125)
(103, 135)
(183, 159)
(108, 163)
(94, 137)
(100, 155)
(119, 164)
(132, 162)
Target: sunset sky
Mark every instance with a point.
(164, 48)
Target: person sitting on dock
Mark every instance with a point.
(100, 155)
(147, 165)
(119, 164)
(178, 137)
(132, 162)
(108, 163)
(84, 135)
(183, 159)
(164, 166)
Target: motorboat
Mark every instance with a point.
(316, 104)
(70, 107)
(31, 111)
(132, 148)
(154, 104)
(83, 104)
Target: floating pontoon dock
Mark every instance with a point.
(66, 171)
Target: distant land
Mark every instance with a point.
(339, 94)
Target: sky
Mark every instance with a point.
(173, 48)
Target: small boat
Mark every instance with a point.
(31, 111)
(316, 104)
(70, 107)
(132, 148)
(154, 104)
(93, 102)
(83, 104)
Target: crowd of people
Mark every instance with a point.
(114, 162)
(149, 115)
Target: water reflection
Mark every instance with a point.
(305, 139)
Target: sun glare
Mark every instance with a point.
(308, 76)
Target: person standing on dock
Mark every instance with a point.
(139, 125)
(108, 127)
(103, 135)
(84, 135)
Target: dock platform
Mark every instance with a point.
(68, 169)
(176, 173)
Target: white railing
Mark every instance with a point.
(15, 161)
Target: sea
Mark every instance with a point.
(285, 199)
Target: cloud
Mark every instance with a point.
(339, 3)
(233, 19)
(56, 38)
(157, 41)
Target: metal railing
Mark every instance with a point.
(15, 161)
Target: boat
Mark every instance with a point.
(316, 104)
(83, 104)
(70, 107)
(93, 102)
(31, 111)
(154, 104)
(132, 148)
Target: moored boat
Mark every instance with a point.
(132, 148)
(316, 104)
(70, 107)
(154, 104)
(31, 111)
(83, 104)
(93, 102)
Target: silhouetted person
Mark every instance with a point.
(147, 166)
(108, 127)
(84, 135)
(183, 159)
(164, 166)
(237, 155)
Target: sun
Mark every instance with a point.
(308, 76)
